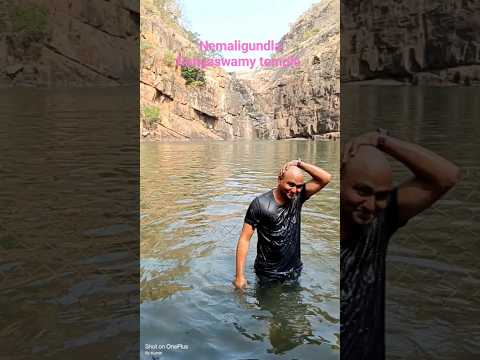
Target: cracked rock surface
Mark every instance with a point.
(267, 103)
(69, 42)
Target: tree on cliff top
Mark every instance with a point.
(167, 9)
(170, 11)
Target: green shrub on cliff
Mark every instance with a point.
(169, 58)
(193, 36)
(145, 45)
(31, 19)
(197, 83)
(309, 33)
(168, 10)
(193, 76)
(151, 114)
(146, 50)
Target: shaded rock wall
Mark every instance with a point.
(306, 100)
(69, 42)
(411, 40)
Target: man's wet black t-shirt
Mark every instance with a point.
(362, 269)
(278, 226)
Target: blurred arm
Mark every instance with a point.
(433, 176)
(320, 178)
(242, 251)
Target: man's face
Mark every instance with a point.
(291, 183)
(364, 194)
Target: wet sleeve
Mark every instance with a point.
(392, 222)
(303, 195)
(253, 214)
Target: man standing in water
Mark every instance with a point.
(371, 210)
(276, 215)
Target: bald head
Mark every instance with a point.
(368, 162)
(291, 172)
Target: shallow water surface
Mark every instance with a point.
(69, 222)
(193, 200)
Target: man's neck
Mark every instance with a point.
(277, 195)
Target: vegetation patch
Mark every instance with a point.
(168, 10)
(151, 114)
(193, 76)
(169, 58)
(309, 33)
(31, 19)
(7, 243)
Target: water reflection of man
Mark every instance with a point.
(288, 325)
(371, 210)
(276, 215)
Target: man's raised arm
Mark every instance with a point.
(433, 174)
(320, 178)
(242, 250)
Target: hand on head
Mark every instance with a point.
(351, 148)
(286, 167)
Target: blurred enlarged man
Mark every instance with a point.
(276, 216)
(371, 210)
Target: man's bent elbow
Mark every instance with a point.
(453, 178)
(328, 178)
(450, 179)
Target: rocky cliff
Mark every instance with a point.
(410, 40)
(68, 42)
(304, 101)
(266, 103)
(215, 107)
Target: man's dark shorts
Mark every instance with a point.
(290, 278)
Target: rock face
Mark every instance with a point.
(69, 42)
(410, 40)
(271, 103)
(172, 109)
(304, 101)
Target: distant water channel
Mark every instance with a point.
(193, 200)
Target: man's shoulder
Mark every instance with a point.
(263, 198)
(266, 195)
(262, 201)
(258, 209)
